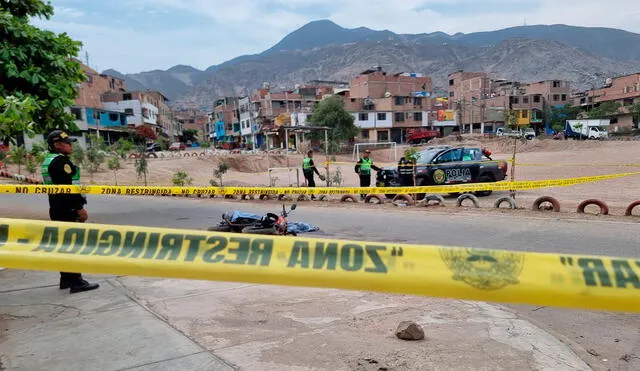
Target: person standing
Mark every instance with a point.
(308, 168)
(405, 172)
(363, 169)
(57, 169)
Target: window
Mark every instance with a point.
(556, 84)
(525, 100)
(363, 116)
(451, 82)
(417, 101)
(451, 94)
(399, 101)
(77, 112)
(525, 114)
(126, 96)
(417, 116)
(453, 155)
(113, 117)
(382, 116)
(516, 100)
(399, 116)
(471, 154)
(564, 97)
(364, 134)
(383, 136)
(556, 97)
(536, 99)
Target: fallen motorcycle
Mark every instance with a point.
(271, 223)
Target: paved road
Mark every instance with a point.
(602, 339)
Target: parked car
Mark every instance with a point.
(153, 147)
(177, 146)
(450, 165)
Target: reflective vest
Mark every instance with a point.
(46, 177)
(306, 164)
(405, 168)
(365, 166)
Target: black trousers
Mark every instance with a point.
(311, 182)
(365, 181)
(65, 216)
(406, 180)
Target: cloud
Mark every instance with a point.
(137, 35)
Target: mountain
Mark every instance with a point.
(324, 50)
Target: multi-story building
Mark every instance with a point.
(227, 122)
(624, 90)
(139, 107)
(386, 106)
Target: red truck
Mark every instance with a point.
(416, 136)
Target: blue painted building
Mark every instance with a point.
(99, 118)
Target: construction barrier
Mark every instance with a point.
(563, 280)
(460, 188)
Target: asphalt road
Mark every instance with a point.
(605, 340)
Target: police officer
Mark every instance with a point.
(405, 171)
(308, 168)
(363, 169)
(58, 169)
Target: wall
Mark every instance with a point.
(245, 116)
(123, 106)
(372, 120)
(89, 92)
(376, 84)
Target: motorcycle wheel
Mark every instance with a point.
(252, 230)
(219, 228)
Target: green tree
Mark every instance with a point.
(222, 169)
(635, 111)
(181, 179)
(330, 112)
(190, 135)
(37, 66)
(114, 165)
(605, 109)
(142, 164)
(95, 156)
(18, 156)
(16, 116)
(78, 156)
(558, 116)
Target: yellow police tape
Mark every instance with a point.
(159, 191)
(574, 281)
(484, 162)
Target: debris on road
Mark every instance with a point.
(408, 330)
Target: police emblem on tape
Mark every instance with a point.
(439, 176)
(484, 269)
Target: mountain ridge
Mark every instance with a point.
(604, 50)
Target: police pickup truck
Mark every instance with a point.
(449, 165)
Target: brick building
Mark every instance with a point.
(386, 106)
(624, 90)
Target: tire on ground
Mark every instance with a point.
(629, 211)
(370, 197)
(246, 197)
(232, 197)
(540, 200)
(427, 198)
(323, 198)
(604, 209)
(508, 200)
(402, 197)
(304, 198)
(265, 197)
(151, 154)
(467, 196)
(349, 198)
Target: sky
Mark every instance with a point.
(142, 35)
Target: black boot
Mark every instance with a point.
(82, 285)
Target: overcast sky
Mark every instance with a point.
(141, 35)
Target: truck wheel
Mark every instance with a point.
(509, 200)
(604, 209)
(484, 179)
(467, 196)
(555, 204)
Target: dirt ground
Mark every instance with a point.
(537, 159)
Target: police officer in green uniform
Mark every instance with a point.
(363, 169)
(57, 169)
(308, 168)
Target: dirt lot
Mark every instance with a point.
(537, 159)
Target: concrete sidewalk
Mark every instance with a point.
(134, 323)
